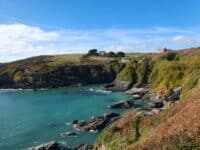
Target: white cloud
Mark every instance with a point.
(186, 39)
(19, 40)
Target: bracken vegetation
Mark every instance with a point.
(176, 128)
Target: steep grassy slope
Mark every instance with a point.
(166, 74)
(178, 127)
(164, 71)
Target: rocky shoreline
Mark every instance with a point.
(95, 124)
(57, 146)
(155, 100)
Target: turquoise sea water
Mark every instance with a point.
(30, 118)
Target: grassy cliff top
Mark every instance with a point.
(173, 66)
(47, 62)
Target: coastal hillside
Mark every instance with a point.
(161, 71)
(58, 71)
(169, 81)
(174, 127)
(100, 75)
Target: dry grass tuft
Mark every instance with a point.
(175, 128)
(181, 128)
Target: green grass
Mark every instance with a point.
(66, 59)
(191, 83)
(164, 72)
(45, 63)
(142, 71)
(167, 74)
(128, 72)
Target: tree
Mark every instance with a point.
(111, 54)
(93, 52)
(120, 54)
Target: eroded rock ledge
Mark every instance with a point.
(57, 146)
(96, 123)
(49, 146)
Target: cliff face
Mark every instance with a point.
(61, 76)
(40, 72)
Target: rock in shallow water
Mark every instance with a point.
(96, 123)
(84, 147)
(56, 146)
(68, 134)
(49, 146)
(137, 91)
(120, 105)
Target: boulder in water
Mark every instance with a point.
(84, 147)
(96, 123)
(49, 146)
(125, 104)
(68, 134)
(75, 121)
(137, 91)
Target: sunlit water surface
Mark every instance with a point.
(30, 118)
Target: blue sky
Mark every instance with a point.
(35, 27)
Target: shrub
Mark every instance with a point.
(18, 77)
(93, 52)
(170, 56)
(136, 126)
(111, 54)
(120, 54)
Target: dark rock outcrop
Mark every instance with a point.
(97, 123)
(56, 146)
(174, 94)
(68, 134)
(84, 147)
(120, 105)
(49, 146)
(153, 97)
(57, 76)
(137, 91)
(118, 85)
(159, 101)
(158, 104)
